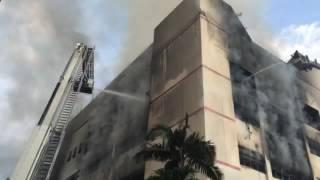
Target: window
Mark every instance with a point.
(244, 94)
(75, 176)
(314, 147)
(280, 174)
(74, 152)
(252, 159)
(241, 76)
(69, 156)
(134, 176)
(80, 148)
(90, 133)
(282, 169)
(312, 116)
(85, 148)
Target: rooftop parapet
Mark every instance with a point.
(302, 62)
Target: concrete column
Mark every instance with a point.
(176, 71)
(219, 121)
(190, 74)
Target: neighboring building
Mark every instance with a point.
(261, 113)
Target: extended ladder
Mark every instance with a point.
(79, 83)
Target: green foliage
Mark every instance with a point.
(184, 173)
(182, 153)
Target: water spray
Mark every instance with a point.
(123, 95)
(262, 70)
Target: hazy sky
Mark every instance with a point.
(283, 13)
(38, 36)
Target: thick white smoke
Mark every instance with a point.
(37, 38)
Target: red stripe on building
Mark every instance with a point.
(220, 114)
(228, 165)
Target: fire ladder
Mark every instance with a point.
(82, 82)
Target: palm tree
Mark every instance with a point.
(183, 155)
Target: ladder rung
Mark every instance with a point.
(64, 116)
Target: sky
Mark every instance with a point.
(284, 13)
(38, 36)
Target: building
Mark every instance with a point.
(261, 113)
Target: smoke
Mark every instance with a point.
(280, 99)
(143, 17)
(284, 118)
(252, 14)
(35, 47)
(118, 123)
(37, 38)
(272, 99)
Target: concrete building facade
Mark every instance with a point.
(244, 99)
(261, 113)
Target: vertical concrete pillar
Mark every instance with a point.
(190, 74)
(176, 71)
(219, 120)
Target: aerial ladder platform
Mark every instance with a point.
(78, 77)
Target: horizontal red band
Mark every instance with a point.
(218, 113)
(228, 165)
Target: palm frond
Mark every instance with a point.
(154, 152)
(185, 173)
(212, 172)
(196, 147)
(171, 164)
(218, 173)
(154, 177)
(183, 155)
(159, 131)
(200, 154)
(178, 138)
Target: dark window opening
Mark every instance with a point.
(252, 159)
(80, 148)
(90, 133)
(287, 170)
(69, 156)
(75, 176)
(85, 148)
(74, 152)
(314, 147)
(241, 76)
(244, 94)
(281, 174)
(312, 116)
(94, 163)
(134, 176)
